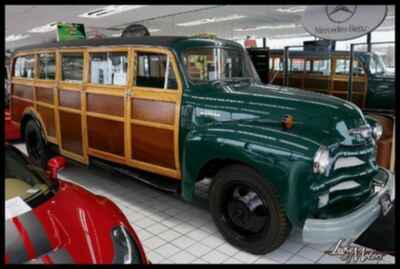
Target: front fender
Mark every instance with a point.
(272, 152)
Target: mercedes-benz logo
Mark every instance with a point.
(340, 13)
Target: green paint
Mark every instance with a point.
(242, 123)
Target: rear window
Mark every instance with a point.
(25, 67)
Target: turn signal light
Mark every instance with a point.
(287, 122)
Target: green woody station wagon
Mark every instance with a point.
(189, 108)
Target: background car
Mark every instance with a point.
(49, 220)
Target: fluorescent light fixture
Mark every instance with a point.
(13, 37)
(211, 20)
(52, 26)
(108, 11)
(290, 36)
(154, 30)
(270, 27)
(291, 9)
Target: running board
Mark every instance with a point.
(160, 182)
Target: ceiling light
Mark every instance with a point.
(45, 28)
(154, 30)
(13, 37)
(211, 20)
(108, 11)
(270, 27)
(291, 9)
(290, 36)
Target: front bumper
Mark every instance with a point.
(351, 226)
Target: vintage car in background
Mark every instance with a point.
(189, 108)
(373, 85)
(51, 221)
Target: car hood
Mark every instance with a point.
(74, 226)
(321, 118)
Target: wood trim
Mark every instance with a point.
(72, 110)
(155, 169)
(72, 155)
(159, 95)
(22, 99)
(106, 155)
(52, 139)
(106, 91)
(45, 104)
(105, 116)
(153, 124)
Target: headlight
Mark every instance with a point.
(321, 160)
(125, 249)
(377, 131)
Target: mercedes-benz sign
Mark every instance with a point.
(343, 22)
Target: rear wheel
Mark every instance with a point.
(247, 211)
(35, 144)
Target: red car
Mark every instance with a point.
(49, 220)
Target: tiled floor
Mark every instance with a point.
(174, 231)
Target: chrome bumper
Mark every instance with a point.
(351, 226)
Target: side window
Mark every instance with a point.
(152, 68)
(270, 63)
(47, 66)
(343, 67)
(319, 67)
(108, 68)
(296, 65)
(72, 67)
(278, 64)
(25, 67)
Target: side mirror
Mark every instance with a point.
(55, 165)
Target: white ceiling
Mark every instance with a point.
(20, 19)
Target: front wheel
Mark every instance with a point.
(35, 144)
(247, 211)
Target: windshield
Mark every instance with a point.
(213, 64)
(22, 179)
(376, 64)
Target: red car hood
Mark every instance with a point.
(74, 226)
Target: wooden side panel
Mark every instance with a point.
(18, 107)
(106, 135)
(316, 84)
(71, 132)
(47, 115)
(153, 145)
(23, 91)
(70, 99)
(44, 95)
(105, 104)
(154, 111)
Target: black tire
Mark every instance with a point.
(38, 150)
(257, 224)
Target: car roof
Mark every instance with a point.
(160, 41)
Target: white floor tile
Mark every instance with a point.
(198, 249)
(183, 257)
(310, 253)
(183, 242)
(198, 234)
(212, 241)
(228, 249)
(215, 256)
(153, 242)
(169, 235)
(167, 250)
(299, 260)
(157, 228)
